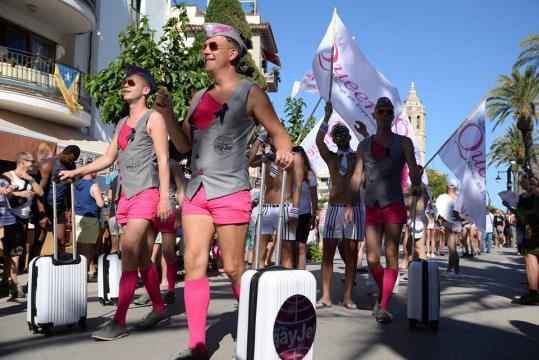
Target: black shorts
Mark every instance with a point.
(302, 231)
(15, 237)
(60, 215)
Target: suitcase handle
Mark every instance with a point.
(264, 160)
(73, 221)
(413, 212)
(54, 179)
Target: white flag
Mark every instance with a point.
(357, 85)
(307, 84)
(464, 155)
(309, 144)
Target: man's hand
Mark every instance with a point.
(163, 209)
(67, 175)
(361, 128)
(328, 109)
(25, 194)
(348, 214)
(163, 102)
(284, 159)
(312, 223)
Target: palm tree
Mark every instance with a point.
(530, 52)
(514, 96)
(510, 147)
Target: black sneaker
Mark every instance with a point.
(169, 298)
(190, 354)
(111, 331)
(526, 299)
(383, 316)
(151, 319)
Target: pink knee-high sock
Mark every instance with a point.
(197, 299)
(128, 284)
(172, 269)
(378, 276)
(236, 291)
(390, 277)
(151, 282)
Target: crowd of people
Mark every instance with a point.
(369, 210)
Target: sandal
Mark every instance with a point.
(349, 305)
(320, 305)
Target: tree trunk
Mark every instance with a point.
(525, 125)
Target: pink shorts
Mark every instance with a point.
(141, 206)
(229, 209)
(391, 214)
(166, 226)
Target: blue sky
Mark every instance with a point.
(452, 50)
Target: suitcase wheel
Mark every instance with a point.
(33, 329)
(82, 324)
(434, 325)
(412, 323)
(102, 301)
(46, 330)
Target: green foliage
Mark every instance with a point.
(230, 12)
(509, 147)
(293, 122)
(530, 52)
(437, 182)
(173, 65)
(314, 253)
(513, 95)
(322, 202)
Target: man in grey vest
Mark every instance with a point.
(379, 166)
(218, 129)
(340, 165)
(140, 144)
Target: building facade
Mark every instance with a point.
(47, 43)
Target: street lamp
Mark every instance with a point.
(509, 177)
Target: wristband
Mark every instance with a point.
(324, 127)
(294, 213)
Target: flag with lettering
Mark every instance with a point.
(464, 154)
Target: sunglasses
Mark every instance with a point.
(214, 46)
(385, 111)
(130, 83)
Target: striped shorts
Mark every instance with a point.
(335, 228)
(270, 221)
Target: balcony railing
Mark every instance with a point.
(34, 72)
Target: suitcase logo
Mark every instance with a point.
(294, 328)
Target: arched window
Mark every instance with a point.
(418, 123)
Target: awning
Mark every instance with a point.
(37, 129)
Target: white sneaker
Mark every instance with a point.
(428, 255)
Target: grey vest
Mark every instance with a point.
(137, 163)
(383, 177)
(219, 159)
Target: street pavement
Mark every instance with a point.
(477, 322)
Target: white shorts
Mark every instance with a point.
(270, 221)
(335, 228)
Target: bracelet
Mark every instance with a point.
(324, 127)
(294, 213)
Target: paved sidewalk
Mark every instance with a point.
(477, 322)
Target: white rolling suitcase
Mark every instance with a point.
(423, 287)
(276, 318)
(57, 293)
(109, 271)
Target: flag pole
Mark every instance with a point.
(332, 53)
(307, 121)
(454, 132)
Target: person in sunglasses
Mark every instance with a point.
(336, 231)
(217, 130)
(140, 144)
(380, 159)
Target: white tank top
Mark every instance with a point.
(23, 211)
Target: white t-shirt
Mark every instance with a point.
(488, 227)
(305, 200)
(445, 206)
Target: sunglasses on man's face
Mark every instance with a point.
(385, 111)
(130, 83)
(213, 46)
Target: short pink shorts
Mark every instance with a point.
(229, 209)
(166, 226)
(391, 214)
(141, 206)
